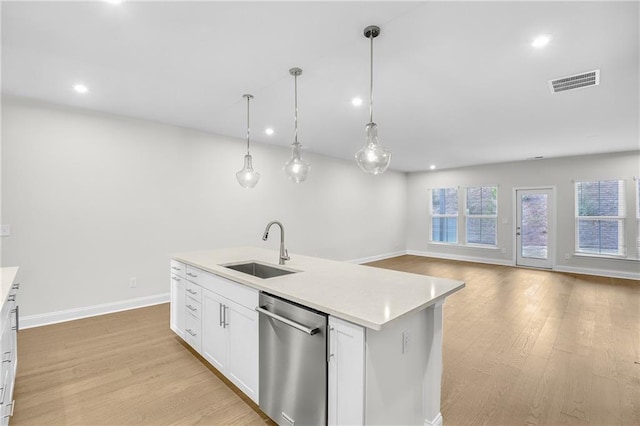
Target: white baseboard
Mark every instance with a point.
(38, 320)
(378, 257)
(598, 272)
(501, 262)
(435, 422)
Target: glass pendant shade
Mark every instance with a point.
(296, 168)
(373, 158)
(247, 177)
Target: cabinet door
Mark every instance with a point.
(214, 332)
(177, 305)
(346, 373)
(242, 368)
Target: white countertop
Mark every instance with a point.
(364, 295)
(7, 277)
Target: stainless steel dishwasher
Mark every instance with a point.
(293, 362)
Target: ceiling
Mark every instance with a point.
(456, 83)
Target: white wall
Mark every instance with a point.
(559, 172)
(94, 199)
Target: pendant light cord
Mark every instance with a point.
(371, 83)
(248, 124)
(295, 79)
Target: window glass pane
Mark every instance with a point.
(603, 198)
(481, 231)
(444, 201)
(482, 200)
(444, 229)
(600, 236)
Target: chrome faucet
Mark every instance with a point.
(284, 254)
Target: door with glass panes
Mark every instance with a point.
(534, 228)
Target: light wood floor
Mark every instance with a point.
(521, 347)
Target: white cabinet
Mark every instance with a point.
(230, 332)
(8, 350)
(193, 315)
(219, 322)
(346, 373)
(214, 343)
(178, 273)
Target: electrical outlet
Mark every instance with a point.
(406, 340)
(133, 283)
(5, 230)
(567, 256)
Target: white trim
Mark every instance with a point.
(447, 256)
(598, 272)
(438, 421)
(377, 257)
(38, 320)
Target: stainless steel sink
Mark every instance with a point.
(259, 270)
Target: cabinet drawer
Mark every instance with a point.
(194, 274)
(193, 307)
(241, 294)
(193, 291)
(178, 268)
(177, 279)
(192, 332)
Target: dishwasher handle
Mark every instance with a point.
(309, 331)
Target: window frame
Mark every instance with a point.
(468, 216)
(620, 218)
(434, 215)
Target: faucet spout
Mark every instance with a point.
(284, 254)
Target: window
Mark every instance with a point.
(482, 215)
(600, 217)
(444, 215)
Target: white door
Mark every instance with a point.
(243, 348)
(214, 333)
(534, 228)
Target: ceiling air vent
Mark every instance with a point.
(572, 82)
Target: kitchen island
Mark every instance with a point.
(385, 358)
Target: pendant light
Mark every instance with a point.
(247, 177)
(372, 158)
(296, 169)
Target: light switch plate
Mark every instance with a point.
(5, 230)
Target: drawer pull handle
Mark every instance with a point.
(191, 291)
(191, 308)
(191, 332)
(175, 279)
(192, 275)
(16, 286)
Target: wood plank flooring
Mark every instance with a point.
(521, 347)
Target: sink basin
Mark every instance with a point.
(259, 270)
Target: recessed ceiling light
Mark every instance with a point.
(356, 101)
(541, 41)
(268, 131)
(80, 88)
(432, 167)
